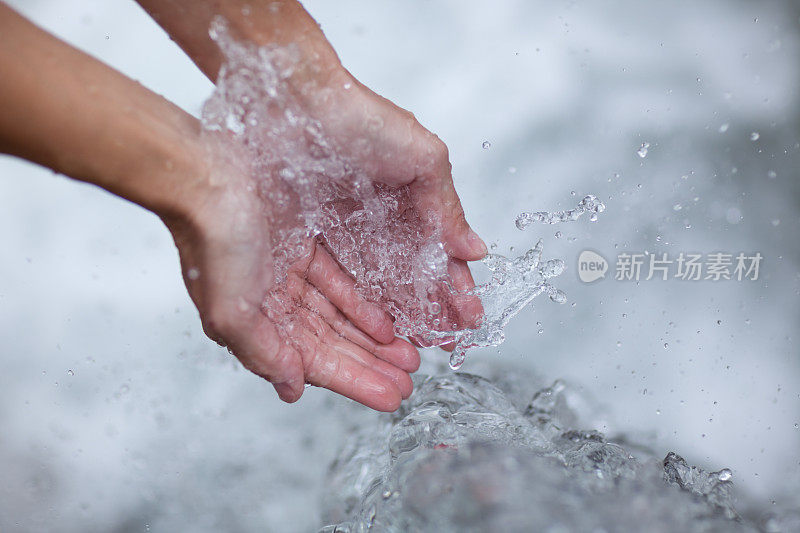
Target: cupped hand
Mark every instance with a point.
(314, 326)
(387, 142)
(335, 339)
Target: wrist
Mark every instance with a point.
(157, 159)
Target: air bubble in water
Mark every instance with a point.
(755, 136)
(642, 151)
(486, 145)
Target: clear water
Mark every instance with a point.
(313, 191)
(592, 81)
(590, 204)
(466, 455)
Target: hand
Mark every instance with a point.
(137, 145)
(387, 142)
(336, 339)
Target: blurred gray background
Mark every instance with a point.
(116, 413)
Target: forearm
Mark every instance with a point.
(261, 22)
(67, 111)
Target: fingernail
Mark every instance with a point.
(476, 244)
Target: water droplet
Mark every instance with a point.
(486, 145)
(193, 273)
(723, 128)
(457, 359)
(642, 151)
(772, 174)
(70, 372)
(733, 215)
(754, 136)
(666, 345)
(558, 235)
(658, 411)
(725, 474)
(558, 296)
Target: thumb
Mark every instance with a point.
(435, 197)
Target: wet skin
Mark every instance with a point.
(62, 109)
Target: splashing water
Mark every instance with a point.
(589, 204)
(463, 454)
(514, 284)
(314, 192)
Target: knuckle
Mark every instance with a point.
(319, 369)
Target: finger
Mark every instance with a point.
(340, 289)
(328, 337)
(468, 304)
(337, 364)
(255, 341)
(288, 379)
(399, 352)
(436, 200)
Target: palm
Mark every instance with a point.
(332, 337)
